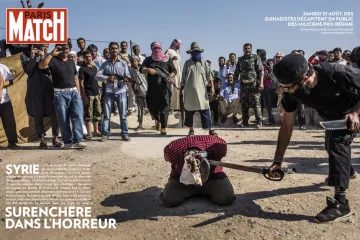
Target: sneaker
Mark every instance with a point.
(104, 138)
(88, 137)
(126, 138)
(302, 127)
(223, 119)
(334, 212)
(66, 146)
(259, 124)
(79, 145)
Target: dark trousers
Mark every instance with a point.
(214, 107)
(219, 191)
(8, 122)
(141, 104)
(338, 147)
(268, 103)
(40, 128)
(159, 105)
(205, 118)
(301, 114)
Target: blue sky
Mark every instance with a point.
(219, 28)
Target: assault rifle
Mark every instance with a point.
(121, 78)
(164, 74)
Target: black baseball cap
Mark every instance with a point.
(291, 68)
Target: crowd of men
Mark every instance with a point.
(80, 90)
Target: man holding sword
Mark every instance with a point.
(334, 92)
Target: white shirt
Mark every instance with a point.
(7, 76)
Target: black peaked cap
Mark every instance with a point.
(291, 68)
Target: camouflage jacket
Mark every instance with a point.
(249, 68)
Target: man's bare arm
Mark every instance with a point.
(77, 83)
(284, 136)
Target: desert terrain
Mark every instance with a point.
(129, 176)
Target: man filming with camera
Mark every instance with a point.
(67, 100)
(40, 93)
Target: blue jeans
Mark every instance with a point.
(68, 105)
(121, 101)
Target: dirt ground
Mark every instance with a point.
(129, 176)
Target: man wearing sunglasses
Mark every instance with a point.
(67, 100)
(334, 92)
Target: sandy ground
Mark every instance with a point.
(129, 176)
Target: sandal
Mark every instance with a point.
(56, 142)
(157, 125)
(191, 133)
(43, 144)
(212, 133)
(163, 131)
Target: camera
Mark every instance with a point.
(38, 46)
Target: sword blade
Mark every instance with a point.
(334, 125)
(237, 166)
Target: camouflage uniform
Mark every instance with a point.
(249, 68)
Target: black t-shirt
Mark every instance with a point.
(329, 98)
(63, 73)
(90, 84)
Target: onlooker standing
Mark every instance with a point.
(115, 91)
(214, 100)
(90, 94)
(196, 76)
(268, 91)
(67, 100)
(40, 94)
(6, 108)
(140, 88)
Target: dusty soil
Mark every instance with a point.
(128, 178)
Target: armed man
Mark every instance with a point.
(334, 92)
(251, 71)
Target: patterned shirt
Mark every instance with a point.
(249, 68)
(215, 147)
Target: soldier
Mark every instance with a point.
(251, 71)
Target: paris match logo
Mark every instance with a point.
(36, 25)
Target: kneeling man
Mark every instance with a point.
(217, 186)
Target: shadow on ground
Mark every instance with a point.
(146, 205)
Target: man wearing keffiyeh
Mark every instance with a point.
(159, 89)
(174, 54)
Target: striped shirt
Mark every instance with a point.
(215, 147)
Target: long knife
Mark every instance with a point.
(263, 171)
(335, 125)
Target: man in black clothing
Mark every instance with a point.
(90, 94)
(67, 100)
(40, 94)
(214, 101)
(159, 89)
(334, 92)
